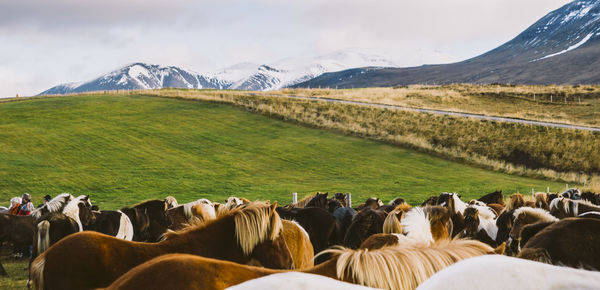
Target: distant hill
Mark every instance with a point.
(563, 47)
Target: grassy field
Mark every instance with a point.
(124, 149)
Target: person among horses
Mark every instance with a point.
(47, 198)
(26, 207)
(15, 203)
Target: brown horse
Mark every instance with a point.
(526, 216)
(156, 213)
(387, 268)
(298, 242)
(249, 234)
(570, 242)
(479, 228)
(494, 197)
(541, 200)
(18, 231)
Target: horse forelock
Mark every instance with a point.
(254, 224)
(402, 267)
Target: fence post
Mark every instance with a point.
(567, 186)
(547, 189)
(532, 191)
(294, 197)
(349, 198)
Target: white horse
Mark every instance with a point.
(296, 281)
(492, 272)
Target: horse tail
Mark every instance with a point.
(535, 254)
(36, 273)
(43, 236)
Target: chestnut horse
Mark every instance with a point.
(387, 268)
(298, 242)
(248, 234)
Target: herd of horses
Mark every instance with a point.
(540, 241)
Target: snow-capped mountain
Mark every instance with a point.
(562, 47)
(141, 76)
(243, 76)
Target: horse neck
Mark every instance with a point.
(327, 269)
(205, 241)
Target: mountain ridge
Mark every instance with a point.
(560, 48)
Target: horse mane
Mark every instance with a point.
(402, 267)
(55, 204)
(391, 224)
(541, 214)
(255, 222)
(416, 225)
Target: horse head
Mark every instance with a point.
(259, 231)
(471, 221)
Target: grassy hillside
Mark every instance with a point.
(123, 149)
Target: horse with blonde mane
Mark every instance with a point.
(400, 267)
(248, 234)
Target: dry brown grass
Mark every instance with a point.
(562, 104)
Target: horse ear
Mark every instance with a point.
(500, 249)
(273, 206)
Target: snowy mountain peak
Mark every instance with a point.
(242, 76)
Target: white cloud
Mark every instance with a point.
(49, 42)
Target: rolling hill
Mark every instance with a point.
(563, 47)
(124, 149)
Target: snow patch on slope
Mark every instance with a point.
(572, 47)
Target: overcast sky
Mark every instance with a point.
(44, 43)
